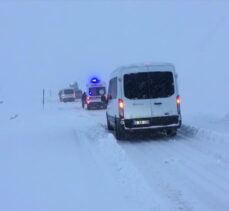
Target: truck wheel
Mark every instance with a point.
(171, 132)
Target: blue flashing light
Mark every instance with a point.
(95, 80)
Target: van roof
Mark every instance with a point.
(147, 64)
(125, 68)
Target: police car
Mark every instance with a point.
(95, 91)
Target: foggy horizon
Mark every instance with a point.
(52, 44)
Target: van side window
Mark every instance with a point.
(112, 90)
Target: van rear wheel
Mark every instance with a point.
(119, 131)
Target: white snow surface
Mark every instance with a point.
(63, 158)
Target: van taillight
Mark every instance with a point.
(121, 108)
(178, 101)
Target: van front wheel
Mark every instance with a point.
(109, 125)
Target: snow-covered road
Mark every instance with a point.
(63, 158)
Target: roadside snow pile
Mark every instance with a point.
(6, 112)
(192, 131)
(210, 134)
(208, 126)
(226, 118)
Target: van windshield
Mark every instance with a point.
(68, 91)
(148, 85)
(97, 91)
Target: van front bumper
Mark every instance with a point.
(154, 123)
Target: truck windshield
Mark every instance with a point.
(68, 91)
(148, 85)
(97, 91)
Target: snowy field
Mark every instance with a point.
(63, 158)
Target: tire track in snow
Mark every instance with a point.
(205, 159)
(165, 192)
(192, 164)
(190, 139)
(183, 164)
(133, 186)
(151, 167)
(199, 138)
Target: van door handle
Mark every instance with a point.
(157, 103)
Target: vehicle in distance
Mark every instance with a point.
(78, 94)
(143, 97)
(67, 95)
(95, 90)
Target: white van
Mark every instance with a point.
(142, 97)
(67, 95)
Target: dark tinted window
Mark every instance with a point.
(148, 85)
(113, 88)
(161, 84)
(97, 91)
(136, 86)
(68, 91)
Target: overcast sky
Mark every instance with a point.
(52, 43)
